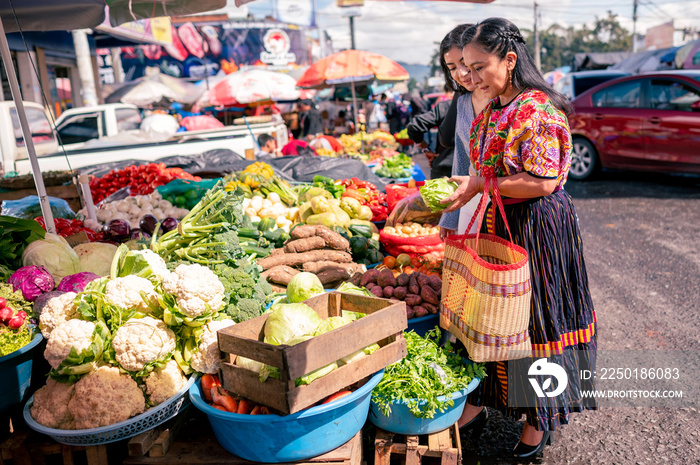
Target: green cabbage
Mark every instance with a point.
(435, 190)
(249, 364)
(96, 257)
(290, 320)
(362, 353)
(309, 377)
(329, 324)
(303, 286)
(349, 288)
(53, 253)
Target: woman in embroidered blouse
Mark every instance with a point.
(522, 137)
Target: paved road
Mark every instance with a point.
(641, 237)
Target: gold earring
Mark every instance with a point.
(510, 78)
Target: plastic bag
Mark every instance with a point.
(413, 209)
(29, 208)
(184, 193)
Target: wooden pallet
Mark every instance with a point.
(202, 451)
(443, 447)
(22, 450)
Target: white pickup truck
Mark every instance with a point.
(107, 133)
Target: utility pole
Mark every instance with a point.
(87, 78)
(634, 26)
(352, 32)
(538, 59)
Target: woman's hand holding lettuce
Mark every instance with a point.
(434, 191)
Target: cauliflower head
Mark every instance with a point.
(163, 383)
(156, 262)
(125, 293)
(142, 340)
(74, 333)
(57, 310)
(104, 397)
(50, 407)
(206, 359)
(195, 287)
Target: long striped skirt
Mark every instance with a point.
(563, 321)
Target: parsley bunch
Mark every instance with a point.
(426, 378)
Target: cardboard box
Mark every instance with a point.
(384, 325)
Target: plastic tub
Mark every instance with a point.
(423, 324)
(118, 431)
(299, 436)
(16, 374)
(402, 421)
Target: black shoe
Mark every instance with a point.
(523, 451)
(476, 426)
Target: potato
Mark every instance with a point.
(386, 278)
(409, 312)
(377, 291)
(400, 292)
(413, 300)
(402, 280)
(435, 282)
(419, 311)
(388, 292)
(429, 307)
(369, 277)
(413, 287)
(428, 294)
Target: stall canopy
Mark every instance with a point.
(52, 15)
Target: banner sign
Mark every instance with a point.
(203, 49)
(154, 30)
(299, 12)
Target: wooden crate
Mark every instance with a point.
(384, 324)
(202, 452)
(443, 447)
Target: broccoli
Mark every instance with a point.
(244, 291)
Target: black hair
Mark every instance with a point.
(264, 139)
(341, 114)
(451, 40)
(498, 36)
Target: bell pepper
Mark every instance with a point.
(365, 213)
(320, 204)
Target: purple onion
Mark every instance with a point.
(76, 282)
(168, 224)
(139, 234)
(148, 223)
(118, 229)
(32, 281)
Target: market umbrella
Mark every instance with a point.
(250, 86)
(61, 15)
(682, 54)
(352, 67)
(156, 90)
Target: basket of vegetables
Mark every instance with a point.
(426, 391)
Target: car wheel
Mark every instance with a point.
(584, 160)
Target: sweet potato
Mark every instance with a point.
(428, 294)
(413, 287)
(402, 280)
(369, 277)
(356, 278)
(278, 288)
(302, 230)
(413, 300)
(409, 312)
(422, 280)
(332, 238)
(280, 274)
(435, 282)
(376, 290)
(388, 292)
(400, 292)
(298, 259)
(430, 307)
(318, 267)
(305, 245)
(419, 311)
(333, 275)
(386, 278)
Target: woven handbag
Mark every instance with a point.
(486, 291)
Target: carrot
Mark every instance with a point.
(208, 382)
(219, 407)
(223, 398)
(256, 410)
(264, 410)
(243, 406)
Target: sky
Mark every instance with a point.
(408, 31)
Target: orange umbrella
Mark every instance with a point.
(351, 66)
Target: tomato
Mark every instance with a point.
(389, 262)
(408, 270)
(403, 260)
(416, 261)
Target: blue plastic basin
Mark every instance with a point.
(424, 324)
(402, 421)
(299, 436)
(16, 374)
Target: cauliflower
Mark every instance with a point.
(125, 293)
(104, 397)
(142, 340)
(206, 359)
(50, 407)
(157, 264)
(56, 311)
(195, 287)
(163, 383)
(70, 334)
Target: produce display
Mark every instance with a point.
(66, 228)
(413, 239)
(15, 315)
(427, 373)
(421, 292)
(141, 179)
(398, 166)
(353, 143)
(259, 179)
(368, 196)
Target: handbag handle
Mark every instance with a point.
(481, 210)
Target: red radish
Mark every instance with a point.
(6, 314)
(3, 302)
(15, 322)
(337, 396)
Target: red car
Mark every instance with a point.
(643, 122)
